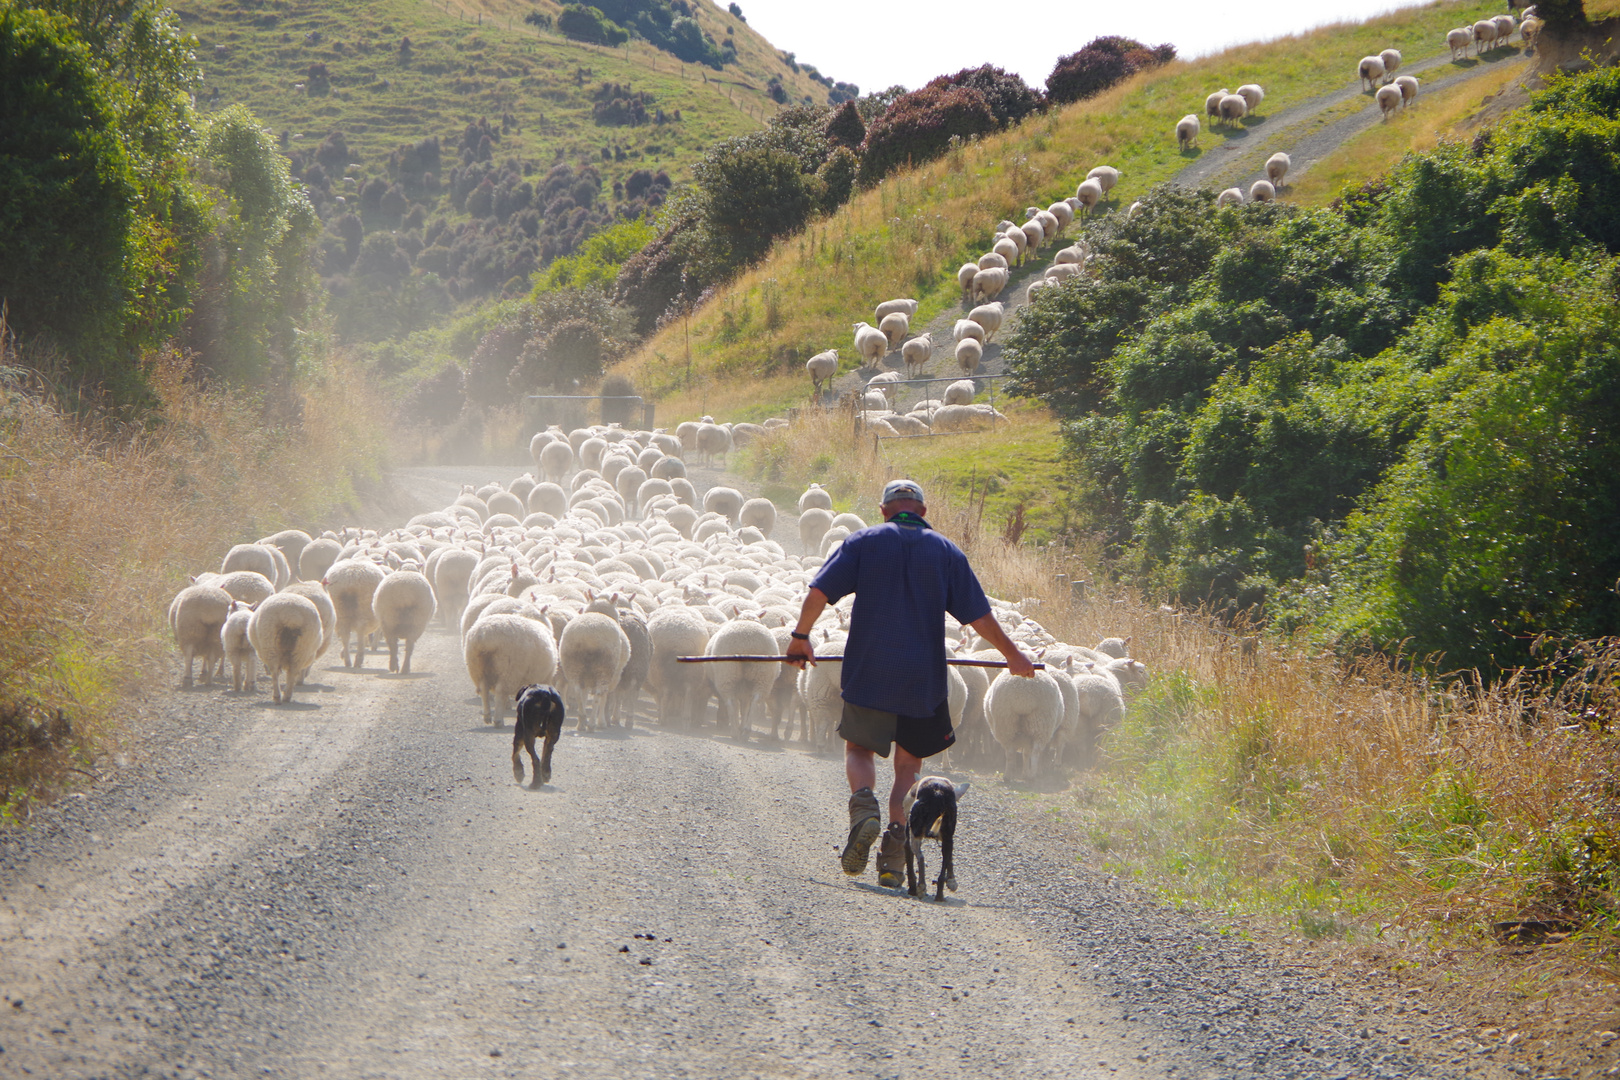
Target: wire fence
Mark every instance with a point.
(878, 440)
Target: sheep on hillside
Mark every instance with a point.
(964, 278)
(1233, 109)
(1252, 94)
(1090, 193)
(1370, 69)
(1230, 197)
(1409, 89)
(906, 307)
(814, 495)
(916, 353)
(1262, 191)
(1484, 36)
(871, 344)
(1389, 99)
(1391, 59)
(1277, 166)
(895, 326)
(969, 354)
(988, 316)
(1458, 40)
(1212, 104)
(987, 284)
(1187, 131)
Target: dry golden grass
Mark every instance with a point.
(101, 522)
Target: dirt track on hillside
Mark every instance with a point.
(354, 886)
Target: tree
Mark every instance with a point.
(751, 196)
(584, 23)
(1100, 65)
(69, 208)
(1010, 98)
(919, 126)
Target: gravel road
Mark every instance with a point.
(353, 886)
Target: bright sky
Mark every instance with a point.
(877, 43)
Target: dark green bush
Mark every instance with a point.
(918, 127)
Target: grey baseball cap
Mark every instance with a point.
(903, 489)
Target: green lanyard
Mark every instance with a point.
(906, 517)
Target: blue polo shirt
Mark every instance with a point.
(905, 578)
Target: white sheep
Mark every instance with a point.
(1230, 197)
(1106, 175)
(1064, 214)
(1024, 715)
(254, 557)
(815, 495)
(725, 501)
(1262, 191)
(351, 584)
(1409, 89)
(317, 557)
(960, 392)
(1505, 26)
(1015, 236)
(233, 637)
(741, 687)
(871, 344)
(1074, 253)
(404, 605)
(291, 543)
(1090, 193)
(1458, 40)
(907, 307)
(969, 354)
(992, 260)
(1102, 706)
(965, 275)
(286, 634)
(1389, 99)
(987, 284)
(1252, 94)
(1008, 251)
(713, 440)
(1187, 132)
(1529, 30)
(1212, 104)
(895, 326)
(814, 521)
(592, 655)
(1133, 210)
(196, 616)
(759, 514)
(916, 353)
(967, 328)
(548, 498)
(556, 459)
(1036, 286)
(504, 653)
(680, 689)
(1233, 109)
(1484, 35)
(1277, 166)
(1371, 69)
(1391, 59)
(1034, 235)
(1062, 271)
(988, 316)
(248, 586)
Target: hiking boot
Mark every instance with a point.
(865, 822)
(891, 860)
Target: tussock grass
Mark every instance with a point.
(101, 521)
(1377, 150)
(907, 236)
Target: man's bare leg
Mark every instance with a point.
(859, 767)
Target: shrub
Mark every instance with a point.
(1010, 98)
(845, 126)
(1101, 64)
(837, 179)
(751, 195)
(585, 23)
(918, 127)
(437, 399)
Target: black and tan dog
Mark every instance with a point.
(539, 716)
(931, 815)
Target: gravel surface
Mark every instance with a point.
(354, 886)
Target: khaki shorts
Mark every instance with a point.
(919, 736)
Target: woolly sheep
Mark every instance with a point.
(814, 521)
(1484, 35)
(590, 455)
(1458, 40)
(196, 616)
(1034, 235)
(286, 634)
(1504, 28)
(1277, 166)
(1389, 99)
(592, 654)
(908, 308)
(1409, 89)
(815, 495)
(1036, 286)
(1252, 95)
(1015, 236)
(1529, 30)
(1135, 209)
(404, 605)
(741, 687)
(1062, 271)
(1074, 253)
(958, 418)
(960, 392)
(233, 637)
(248, 586)
(728, 502)
(965, 276)
(993, 259)
(1212, 104)
(621, 705)
(969, 353)
(1009, 252)
(1024, 715)
(1102, 706)
(1106, 175)
(988, 316)
(1371, 69)
(987, 284)
(317, 558)
(1233, 108)
(1187, 132)
(291, 543)
(1391, 59)
(504, 502)
(351, 584)
(967, 328)
(833, 536)
(916, 353)
(255, 557)
(871, 344)
(1063, 212)
(1090, 192)
(556, 459)
(668, 468)
(895, 326)
(315, 593)
(504, 653)
(822, 367)
(1230, 197)
(760, 514)
(1050, 225)
(1262, 191)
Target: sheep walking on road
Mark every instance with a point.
(404, 606)
(286, 634)
(1389, 100)
(1371, 69)
(351, 584)
(505, 652)
(1277, 167)
(196, 617)
(1187, 131)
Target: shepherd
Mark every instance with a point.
(905, 577)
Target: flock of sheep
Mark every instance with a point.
(1493, 33)
(595, 578)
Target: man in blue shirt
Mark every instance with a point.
(905, 578)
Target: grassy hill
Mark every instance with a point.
(907, 236)
(474, 60)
